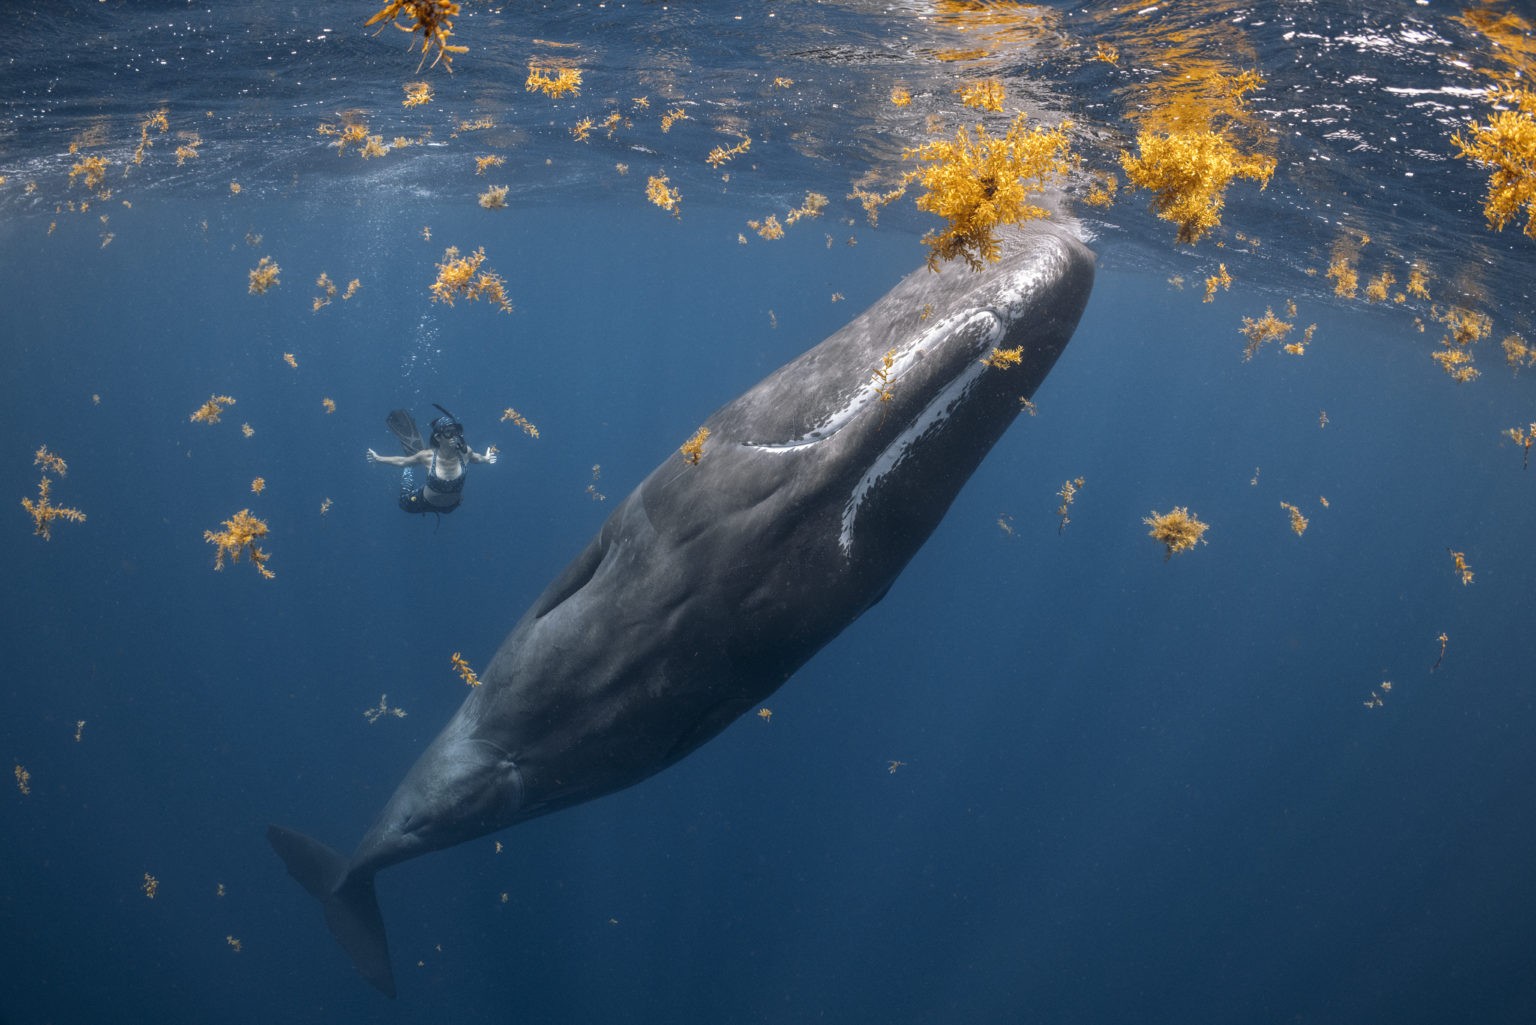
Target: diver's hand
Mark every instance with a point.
(491, 454)
(373, 456)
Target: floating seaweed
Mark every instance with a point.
(720, 154)
(978, 183)
(554, 82)
(1068, 495)
(1002, 359)
(986, 95)
(432, 18)
(264, 276)
(1189, 167)
(1505, 146)
(1220, 280)
(460, 277)
(1298, 521)
(693, 448)
(461, 667)
(239, 536)
(660, 192)
(517, 419)
(45, 512)
(1178, 531)
(1462, 569)
(382, 709)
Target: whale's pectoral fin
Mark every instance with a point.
(351, 907)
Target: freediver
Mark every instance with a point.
(445, 455)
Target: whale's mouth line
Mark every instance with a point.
(931, 418)
(988, 324)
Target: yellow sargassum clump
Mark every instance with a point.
(1187, 157)
(1506, 146)
(239, 536)
(1188, 173)
(978, 183)
(432, 18)
(1178, 531)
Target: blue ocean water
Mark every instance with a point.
(1052, 776)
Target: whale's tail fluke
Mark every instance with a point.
(351, 908)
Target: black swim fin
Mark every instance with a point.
(351, 907)
(403, 426)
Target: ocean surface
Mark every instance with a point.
(1055, 776)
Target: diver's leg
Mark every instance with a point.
(411, 498)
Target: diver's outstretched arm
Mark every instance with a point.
(411, 460)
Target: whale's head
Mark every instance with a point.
(899, 407)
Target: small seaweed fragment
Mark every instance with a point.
(720, 154)
(150, 886)
(461, 667)
(1377, 288)
(239, 536)
(881, 376)
(1342, 272)
(495, 198)
(210, 411)
(693, 448)
(51, 462)
(1298, 521)
(812, 206)
(1178, 531)
(90, 170)
(1444, 639)
(44, 512)
(264, 276)
(1267, 328)
(417, 94)
(460, 277)
(1102, 193)
(432, 18)
(1464, 328)
(768, 228)
(1517, 353)
(23, 779)
(1462, 569)
(517, 419)
(660, 192)
(1524, 438)
(986, 95)
(1068, 495)
(1002, 359)
(382, 709)
(188, 148)
(1220, 280)
(553, 82)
